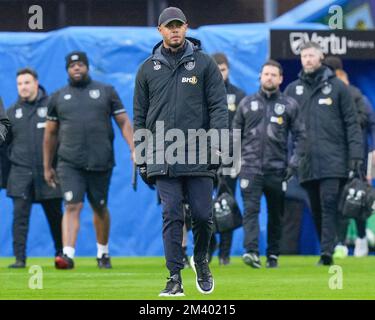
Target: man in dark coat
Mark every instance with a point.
(4, 129)
(365, 117)
(228, 183)
(180, 88)
(26, 183)
(333, 141)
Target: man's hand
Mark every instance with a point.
(50, 177)
(146, 180)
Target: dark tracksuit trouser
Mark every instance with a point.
(271, 186)
(324, 197)
(291, 226)
(22, 209)
(197, 191)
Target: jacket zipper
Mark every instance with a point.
(264, 132)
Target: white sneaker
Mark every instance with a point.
(361, 247)
(341, 251)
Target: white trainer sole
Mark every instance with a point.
(196, 279)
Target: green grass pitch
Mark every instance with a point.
(143, 277)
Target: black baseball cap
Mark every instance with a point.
(76, 56)
(170, 14)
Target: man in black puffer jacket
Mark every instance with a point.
(333, 141)
(229, 182)
(26, 183)
(181, 88)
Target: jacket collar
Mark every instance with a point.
(321, 75)
(269, 95)
(192, 45)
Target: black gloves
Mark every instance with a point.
(143, 173)
(355, 168)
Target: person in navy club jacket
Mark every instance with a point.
(4, 124)
(333, 145)
(79, 126)
(4, 128)
(234, 96)
(26, 183)
(366, 117)
(266, 120)
(181, 87)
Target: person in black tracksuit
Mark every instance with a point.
(234, 96)
(333, 142)
(181, 87)
(365, 116)
(26, 183)
(4, 129)
(266, 119)
(4, 124)
(79, 126)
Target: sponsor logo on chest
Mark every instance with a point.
(191, 80)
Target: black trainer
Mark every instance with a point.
(19, 264)
(325, 260)
(104, 262)
(252, 260)
(203, 277)
(272, 261)
(64, 262)
(173, 288)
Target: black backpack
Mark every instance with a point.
(226, 213)
(357, 199)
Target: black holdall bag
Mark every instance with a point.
(226, 213)
(357, 200)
